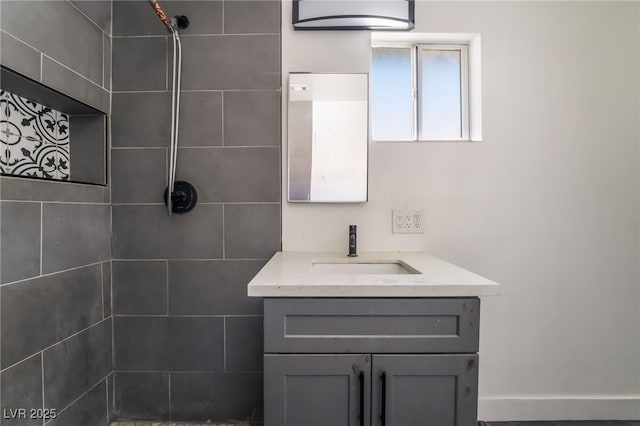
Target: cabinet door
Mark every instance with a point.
(424, 390)
(317, 390)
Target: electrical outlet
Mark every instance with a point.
(418, 221)
(407, 221)
(398, 225)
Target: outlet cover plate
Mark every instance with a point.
(407, 221)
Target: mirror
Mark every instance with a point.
(328, 134)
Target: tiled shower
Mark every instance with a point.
(111, 309)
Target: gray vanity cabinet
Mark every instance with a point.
(371, 362)
(317, 390)
(433, 390)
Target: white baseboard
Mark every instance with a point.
(559, 408)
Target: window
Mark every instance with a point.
(420, 91)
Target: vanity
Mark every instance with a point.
(382, 339)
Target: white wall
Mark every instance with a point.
(547, 204)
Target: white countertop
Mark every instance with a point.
(291, 274)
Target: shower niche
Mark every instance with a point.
(45, 134)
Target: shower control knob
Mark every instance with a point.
(184, 197)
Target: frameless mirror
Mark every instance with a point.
(328, 136)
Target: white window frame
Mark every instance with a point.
(464, 86)
(470, 76)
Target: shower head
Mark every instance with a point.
(177, 22)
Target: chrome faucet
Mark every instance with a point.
(352, 241)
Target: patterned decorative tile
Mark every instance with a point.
(34, 139)
(62, 144)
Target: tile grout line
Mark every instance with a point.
(41, 234)
(110, 82)
(109, 187)
(52, 345)
(111, 23)
(224, 241)
(113, 352)
(106, 395)
(133, 148)
(166, 68)
(222, 113)
(50, 274)
(169, 388)
(227, 35)
(192, 371)
(259, 203)
(187, 316)
(224, 343)
(79, 398)
(33, 355)
(113, 394)
(55, 202)
(127, 148)
(218, 259)
(51, 182)
(75, 72)
(103, 64)
(42, 366)
(91, 20)
(222, 203)
(124, 92)
(102, 289)
(43, 55)
(167, 265)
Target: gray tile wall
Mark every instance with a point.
(55, 265)
(188, 341)
(61, 44)
(55, 303)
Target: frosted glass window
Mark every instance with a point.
(440, 95)
(420, 92)
(392, 94)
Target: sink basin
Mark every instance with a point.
(368, 266)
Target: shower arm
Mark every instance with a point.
(163, 16)
(172, 24)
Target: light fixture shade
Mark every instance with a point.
(379, 15)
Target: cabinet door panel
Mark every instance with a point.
(316, 390)
(425, 390)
